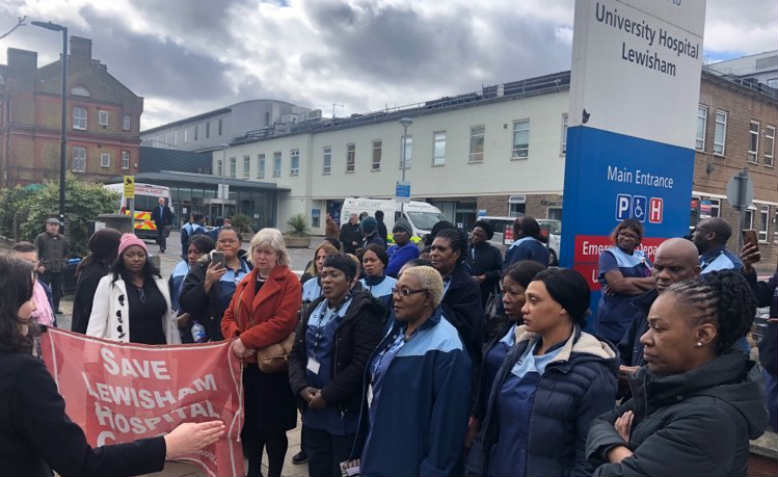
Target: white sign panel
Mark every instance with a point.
(645, 56)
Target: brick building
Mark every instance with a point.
(102, 118)
(736, 125)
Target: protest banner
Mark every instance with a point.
(119, 392)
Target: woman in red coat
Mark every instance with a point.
(263, 311)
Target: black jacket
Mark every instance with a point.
(695, 423)
(203, 307)
(36, 434)
(630, 347)
(485, 259)
(767, 295)
(355, 340)
(86, 285)
(163, 218)
(462, 307)
(350, 233)
(382, 233)
(577, 386)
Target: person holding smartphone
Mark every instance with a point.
(209, 286)
(766, 295)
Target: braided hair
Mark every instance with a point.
(722, 298)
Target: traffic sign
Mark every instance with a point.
(656, 210)
(623, 206)
(402, 191)
(740, 190)
(129, 187)
(639, 204)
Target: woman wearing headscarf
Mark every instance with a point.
(552, 383)
(102, 245)
(694, 406)
(625, 273)
(327, 365)
(132, 303)
(36, 436)
(418, 388)
(263, 312)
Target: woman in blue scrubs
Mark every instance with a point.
(625, 274)
(374, 260)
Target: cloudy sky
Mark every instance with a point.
(190, 56)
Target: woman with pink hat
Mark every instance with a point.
(132, 303)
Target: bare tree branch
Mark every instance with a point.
(18, 24)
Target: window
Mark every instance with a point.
(764, 220)
(351, 157)
(79, 91)
(408, 152)
(753, 143)
(233, 167)
(477, 143)
(439, 148)
(554, 213)
(125, 160)
(294, 162)
(769, 145)
(376, 165)
(564, 134)
(702, 123)
(105, 159)
(219, 168)
(246, 167)
(197, 131)
(520, 139)
(720, 134)
(207, 129)
(186, 135)
(709, 208)
(260, 166)
(517, 205)
(220, 127)
(267, 118)
(126, 122)
(749, 220)
(79, 118)
(175, 137)
(276, 164)
(326, 161)
(102, 118)
(78, 159)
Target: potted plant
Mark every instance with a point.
(297, 235)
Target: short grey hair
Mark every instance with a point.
(430, 280)
(272, 239)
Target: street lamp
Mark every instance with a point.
(63, 129)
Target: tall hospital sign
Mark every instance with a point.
(630, 147)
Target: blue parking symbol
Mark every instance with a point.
(623, 206)
(639, 204)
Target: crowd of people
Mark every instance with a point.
(447, 358)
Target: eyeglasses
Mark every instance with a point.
(406, 292)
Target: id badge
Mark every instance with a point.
(313, 365)
(369, 394)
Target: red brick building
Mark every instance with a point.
(103, 118)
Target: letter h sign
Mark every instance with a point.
(656, 210)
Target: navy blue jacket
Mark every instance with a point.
(578, 385)
(421, 412)
(630, 347)
(526, 248)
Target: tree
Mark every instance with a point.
(84, 201)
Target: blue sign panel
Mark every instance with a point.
(611, 177)
(402, 191)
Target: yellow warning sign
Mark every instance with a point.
(129, 187)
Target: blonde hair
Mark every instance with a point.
(272, 239)
(430, 280)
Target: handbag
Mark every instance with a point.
(275, 358)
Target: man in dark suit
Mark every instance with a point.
(163, 218)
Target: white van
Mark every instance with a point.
(146, 197)
(420, 215)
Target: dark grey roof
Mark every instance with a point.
(190, 178)
(155, 159)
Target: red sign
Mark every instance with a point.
(120, 392)
(656, 210)
(589, 247)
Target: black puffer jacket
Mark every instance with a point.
(355, 340)
(86, 286)
(462, 308)
(767, 295)
(577, 385)
(696, 423)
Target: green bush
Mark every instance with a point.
(243, 223)
(298, 227)
(84, 201)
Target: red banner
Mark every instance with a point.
(120, 392)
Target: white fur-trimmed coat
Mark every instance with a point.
(111, 312)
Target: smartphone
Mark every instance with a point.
(217, 258)
(749, 236)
